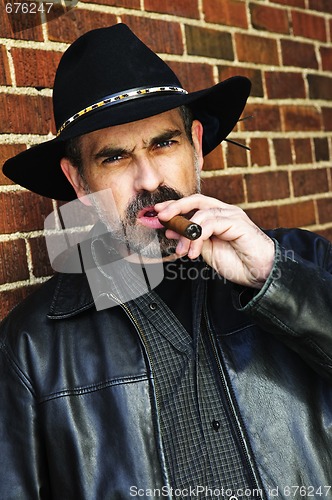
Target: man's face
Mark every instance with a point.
(142, 163)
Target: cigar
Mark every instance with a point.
(183, 226)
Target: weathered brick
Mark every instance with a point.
(25, 114)
(321, 146)
(40, 261)
(264, 217)
(324, 207)
(296, 214)
(193, 76)
(291, 3)
(129, 4)
(267, 186)
(10, 298)
(321, 5)
(227, 188)
(326, 57)
(254, 75)
(264, 117)
(302, 149)
(13, 261)
(20, 26)
(184, 8)
(35, 68)
(269, 18)
(327, 118)
(235, 155)
(7, 151)
(283, 151)
(214, 160)
(307, 182)
(320, 87)
(309, 25)
(23, 211)
(160, 36)
(257, 49)
(209, 43)
(298, 54)
(229, 12)
(301, 118)
(65, 26)
(259, 152)
(284, 85)
(5, 78)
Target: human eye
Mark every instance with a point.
(165, 144)
(112, 159)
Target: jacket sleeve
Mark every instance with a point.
(295, 303)
(23, 459)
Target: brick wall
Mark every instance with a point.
(283, 46)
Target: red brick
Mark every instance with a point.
(307, 182)
(228, 12)
(321, 5)
(326, 56)
(254, 75)
(209, 43)
(40, 261)
(309, 25)
(13, 261)
(23, 211)
(193, 76)
(269, 19)
(7, 151)
(35, 68)
(20, 26)
(214, 160)
(320, 87)
(130, 4)
(267, 186)
(284, 85)
(296, 214)
(227, 188)
(301, 118)
(259, 152)
(67, 26)
(324, 207)
(5, 78)
(160, 36)
(298, 54)
(327, 118)
(283, 151)
(264, 217)
(257, 49)
(291, 3)
(25, 114)
(264, 117)
(184, 8)
(10, 298)
(321, 147)
(303, 151)
(235, 155)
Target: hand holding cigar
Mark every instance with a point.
(183, 226)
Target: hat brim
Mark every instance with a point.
(218, 108)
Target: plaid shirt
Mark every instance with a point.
(200, 443)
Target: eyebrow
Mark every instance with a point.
(110, 151)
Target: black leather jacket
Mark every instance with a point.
(78, 410)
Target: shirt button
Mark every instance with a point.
(153, 306)
(216, 425)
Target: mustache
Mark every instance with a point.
(147, 199)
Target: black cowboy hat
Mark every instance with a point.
(109, 77)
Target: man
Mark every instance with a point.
(214, 384)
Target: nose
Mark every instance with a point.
(148, 175)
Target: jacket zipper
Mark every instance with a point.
(230, 397)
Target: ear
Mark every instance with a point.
(197, 135)
(75, 179)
